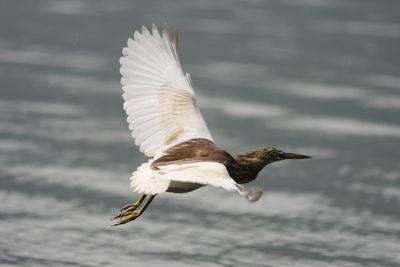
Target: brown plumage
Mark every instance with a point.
(194, 150)
(243, 168)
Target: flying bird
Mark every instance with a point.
(167, 125)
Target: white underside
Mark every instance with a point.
(147, 181)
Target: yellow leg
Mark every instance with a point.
(130, 215)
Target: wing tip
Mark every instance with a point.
(136, 35)
(254, 196)
(175, 38)
(145, 30)
(165, 31)
(154, 30)
(125, 51)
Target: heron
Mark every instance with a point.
(167, 125)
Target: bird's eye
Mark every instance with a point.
(278, 154)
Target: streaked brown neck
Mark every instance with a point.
(246, 167)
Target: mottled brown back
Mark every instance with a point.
(194, 150)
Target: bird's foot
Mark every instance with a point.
(127, 216)
(126, 209)
(125, 212)
(130, 207)
(130, 212)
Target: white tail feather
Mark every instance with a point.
(144, 181)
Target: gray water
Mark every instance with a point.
(318, 77)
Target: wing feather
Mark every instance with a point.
(206, 173)
(159, 99)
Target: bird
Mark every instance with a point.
(167, 125)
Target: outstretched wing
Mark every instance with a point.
(159, 98)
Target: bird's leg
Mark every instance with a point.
(132, 215)
(130, 207)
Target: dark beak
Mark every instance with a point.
(293, 156)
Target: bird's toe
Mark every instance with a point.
(127, 217)
(130, 207)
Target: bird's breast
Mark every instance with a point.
(182, 187)
(240, 174)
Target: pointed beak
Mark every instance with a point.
(294, 156)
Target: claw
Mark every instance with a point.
(117, 216)
(130, 207)
(128, 217)
(126, 212)
(130, 212)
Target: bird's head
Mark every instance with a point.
(252, 162)
(267, 155)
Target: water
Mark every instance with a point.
(317, 77)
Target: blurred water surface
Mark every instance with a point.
(318, 77)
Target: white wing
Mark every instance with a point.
(147, 181)
(206, 173)
(159, 99)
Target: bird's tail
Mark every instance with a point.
(144, 181)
